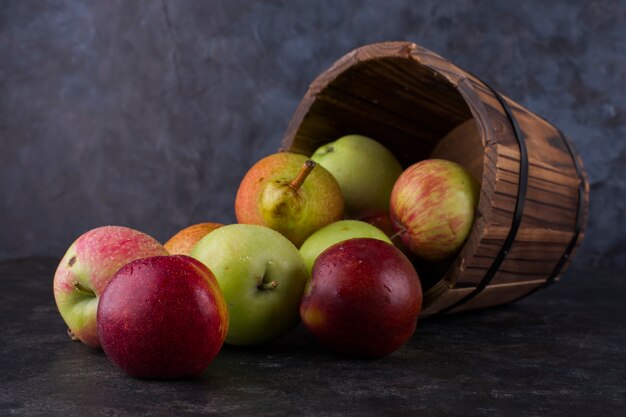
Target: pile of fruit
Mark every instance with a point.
(325, 240)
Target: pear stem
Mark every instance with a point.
(268, 285)
(304, 172)
(86, 291)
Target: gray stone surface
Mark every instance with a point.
(559, 353)
(148, 113)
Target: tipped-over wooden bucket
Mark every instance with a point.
(534, 191)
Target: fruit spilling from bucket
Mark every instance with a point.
(329, 240)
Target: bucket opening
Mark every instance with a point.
(414, 111)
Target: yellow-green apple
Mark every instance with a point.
(87, 267)
(432, 207)
(290, 194)
(364, 169)
(363, 298)
(183, 241)
(262, 276)
(337, 232)
(162, 317)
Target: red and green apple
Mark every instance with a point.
(88, 266)
(433, 205)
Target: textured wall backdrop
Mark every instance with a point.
(148, 113)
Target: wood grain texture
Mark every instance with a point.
(420, 105)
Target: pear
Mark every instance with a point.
(290, 194)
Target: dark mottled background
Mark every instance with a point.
(148, 113)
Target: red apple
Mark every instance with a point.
(162, 317)
(432, 207)
(363, 298)
(86, 269)
(382, 220)
(429, 272)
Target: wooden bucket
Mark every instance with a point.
(534, 191)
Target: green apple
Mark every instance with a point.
(262, 276)
(337, 232)
(365, 170)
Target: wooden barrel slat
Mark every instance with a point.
(402, 92)
(500, 294)
(410, 82)
(543, 187)
(420, 105)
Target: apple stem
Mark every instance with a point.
(268, 285)
(304, 172)
(86, 291)
(398, 233)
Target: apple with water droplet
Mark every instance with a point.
(363, 299)
(262, 276)
(162, 317)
